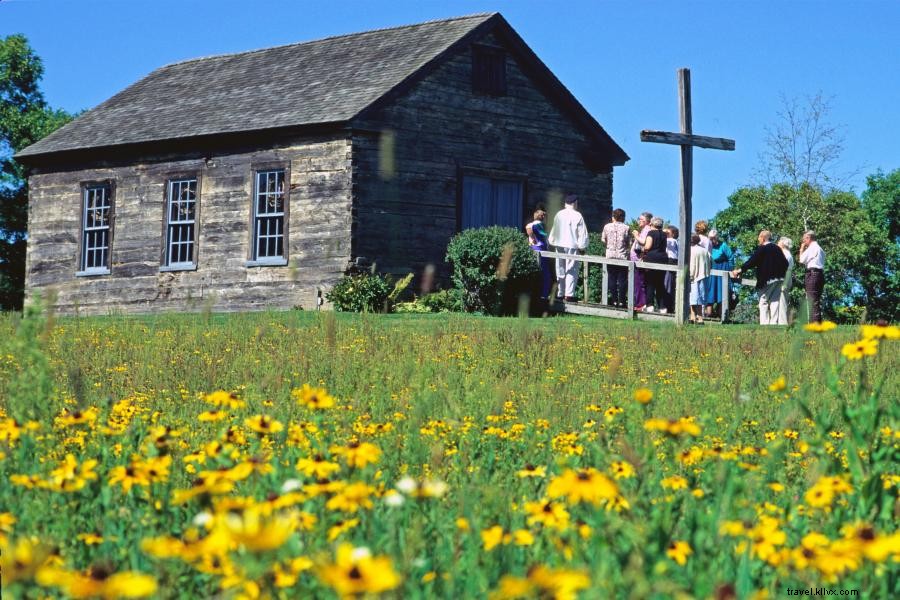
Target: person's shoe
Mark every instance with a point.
(648, 309)
(571, 299)
(639, 308)
(664, 311)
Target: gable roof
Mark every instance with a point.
(327, 81)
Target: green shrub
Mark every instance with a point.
(364, 292)
(443, 301)
(477, 255)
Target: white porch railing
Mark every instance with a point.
(604, 309)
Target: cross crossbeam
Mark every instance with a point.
(681, 139)
(687, 140)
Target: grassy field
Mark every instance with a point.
(320, 455)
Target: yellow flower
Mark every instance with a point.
(224, 399)
(351, 498)
(128, 477)
(99, 583)
(856, 350)
(621, 469)
(310, 397)
(358, 454)
(584, 485)
(673, 427)
(462, 524)
(550, 514)
(679, 551)
(560, 584)
(356, 572)
(522, 537)
(263, 424)
(530, 470)
(491, 537)
(643, 395)
(874, 332)
(317, 466)
(211, 415)
(78, 417)
(820, 327)
(256, 531)
(342, 526)
(676, 482)
(777, 385)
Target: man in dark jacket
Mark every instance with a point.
(771, 266)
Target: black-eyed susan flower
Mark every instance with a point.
(356, 572)
(312, 397)
(340, 527)
(208, 416)
(530, 470)
(880, 331)
(358, 454)
(128, 477)
(263, 424)
(673, 427)
(820, 327)
(224, 399)
(621, 469)
(550, 514)
(857, 350)
(778, 385)
(353, 497)
(317, 466)
(679, 550)
(643, 395)
(583, 485)
(491, 537)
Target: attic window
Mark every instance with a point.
(488, 71)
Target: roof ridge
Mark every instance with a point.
(327, 38)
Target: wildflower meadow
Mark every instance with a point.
(323, 455)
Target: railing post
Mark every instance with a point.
(604, 286)
(585, 264)
(726, 296)
(680, 304)
(631, 290)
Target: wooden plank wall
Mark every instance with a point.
(319, 234)
(440, 127)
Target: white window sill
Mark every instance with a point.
(178, 267)
(91, 272)
(267, 262)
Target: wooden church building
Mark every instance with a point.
(254, 180)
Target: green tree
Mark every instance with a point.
(25, 118)
(881, 272)
(861, 266)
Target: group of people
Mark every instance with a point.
(651, 242)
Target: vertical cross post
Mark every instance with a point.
(682, 299)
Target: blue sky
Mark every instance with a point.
(619, 58)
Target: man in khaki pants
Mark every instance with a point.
(771, 266)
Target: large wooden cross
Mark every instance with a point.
(687, 140)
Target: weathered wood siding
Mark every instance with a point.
(440, 129)
(319, 220)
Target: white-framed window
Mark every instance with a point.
(181, 224)
(269, 233)
(96, 229)
(488, 201)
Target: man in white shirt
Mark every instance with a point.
(569, 235)
(813, 258)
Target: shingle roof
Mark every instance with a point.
(323, 81)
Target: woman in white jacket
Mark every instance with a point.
(701, 265)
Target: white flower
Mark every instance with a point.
(394, 498)
(291, 485)
(407, 485)
(202, 519)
